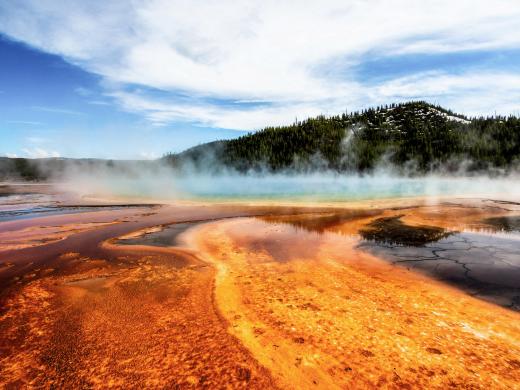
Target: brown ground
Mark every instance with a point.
(250, 305)
(94, 317)
(321, 313)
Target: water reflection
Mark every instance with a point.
(323, 222)
(483, 260)
(505, 224)
(482, 257)
(162, 236)
(392, 230)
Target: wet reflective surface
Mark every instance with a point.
(484, 265)
(392, 230)
(319, 309)
(26, 205)
(162, 236)
(397, 294)
(485, 262)
(39, 211)
(506, 224)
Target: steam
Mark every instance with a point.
(160, 182)
(204, 176)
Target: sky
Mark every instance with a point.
(138, 79)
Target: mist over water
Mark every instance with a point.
(330, 187)
(166, 184)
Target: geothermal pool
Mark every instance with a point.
(403, 286)
(322, 187)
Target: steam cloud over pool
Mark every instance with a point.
(312, 187)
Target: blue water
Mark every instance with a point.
(338, 188)
(315, 187)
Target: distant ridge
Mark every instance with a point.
(416, 136)
(42, 169)
(411, 138)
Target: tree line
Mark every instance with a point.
(415, 134)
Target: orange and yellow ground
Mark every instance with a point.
(246, 303)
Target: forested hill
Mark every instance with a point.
(414, 137)
(415, 134)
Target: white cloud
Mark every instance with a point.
(99, 102)
(36, 140)
(236, 117)
(39, 153)
(31, 123)
(148, 155)
(56, 110)
(468, 93)
(471, 94)
(298, 57)
(85, 92)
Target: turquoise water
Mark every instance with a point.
(315, 187)
(338, 188)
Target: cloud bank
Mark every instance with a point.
(250, 64)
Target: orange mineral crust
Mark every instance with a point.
(76, 313)
(319, 313)
(257, 296)
(146, 325)
(41, 235)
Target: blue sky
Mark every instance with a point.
(91, 79)
(49, 107)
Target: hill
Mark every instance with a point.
(42, 169)
(415, 134)
(413, 138)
